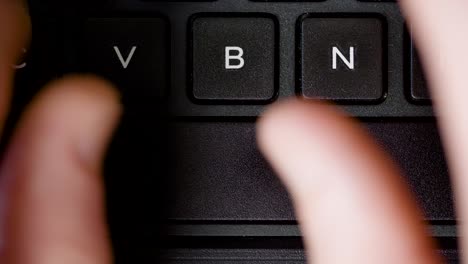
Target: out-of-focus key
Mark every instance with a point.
(131, 52)
(419, 92)
(40, 63)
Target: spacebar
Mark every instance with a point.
(220, 174)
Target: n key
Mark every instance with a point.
(342, 59)
(131, 52)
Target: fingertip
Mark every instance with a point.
(96, 89)
(84, 106)
(293, 114)
(74, 99)
(282, 117)
(294, 127)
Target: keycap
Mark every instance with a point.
(40, 64)
(131, 52)
(342, 59)
(233, 59)
(419, 92)
(42, 58)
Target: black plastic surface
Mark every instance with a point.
(220, 174)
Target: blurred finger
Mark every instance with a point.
(51, 184)
(352, 204)
(440, 31)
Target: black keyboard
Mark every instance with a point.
(185, 180)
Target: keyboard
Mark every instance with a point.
(185, 181)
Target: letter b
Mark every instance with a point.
(234, 61)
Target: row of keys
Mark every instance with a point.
(235, 59)
(265, 0)
(340, 59)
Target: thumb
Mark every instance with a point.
(52, 204)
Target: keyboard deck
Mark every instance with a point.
(195, 75)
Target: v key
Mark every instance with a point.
(125, 62)
(133, 53)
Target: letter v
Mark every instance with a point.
(129, 58)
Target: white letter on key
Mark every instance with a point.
(22, 65)
(129, 58)
(349, 63)
(238, 57)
